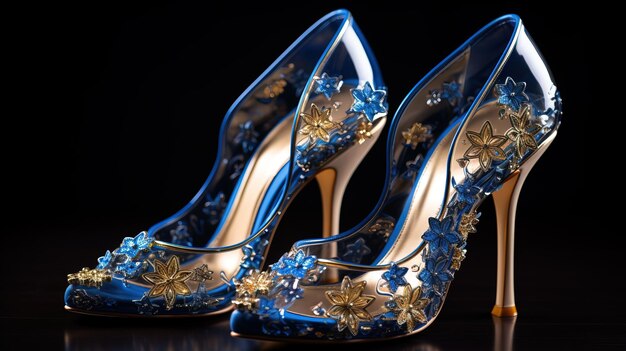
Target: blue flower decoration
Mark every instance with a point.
(493, 180)
(327, 85)
(395, 276)
(214, 207)
(201, 301)
(356, 251)
(435, 302)
(291, 293)
(413, 167)
(145, 306)
(436, 274)
(129, 268)
(180, 234)
(440, 235)
(511, 94)
(133, 246)
(247, 137)
(451, 92)
(297, 266)
(265, 308)
(466, 192)
(368, 101)
(253, 254)
(104, 261)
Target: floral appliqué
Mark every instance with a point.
(356, 251)
(327, 85)
(274, 88)
(133, 246)
(395, 276)
(417, 133)
(317, 124)
(349, 306)
(383, 227)
(255, 283)
(468, 224)
(296, 266)
(457, 257)
(450, 92)
(522, 132)
(511, 94)
(250, 287)
(440, 235)
(247, 137)
(89, 277)
(201, 274)
(486, 147)
(168, 281)
(466, 192)
(214, 207)
(105, 261)
(409, 306)
(145, 306)
(180, 235)
(436, 273)
(368, 101)
(363, 131)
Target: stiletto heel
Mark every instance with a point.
(308, 113)
(505, 200)
(334, 179)
(473, 127)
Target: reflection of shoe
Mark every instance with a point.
(187, 263)
(473, 127)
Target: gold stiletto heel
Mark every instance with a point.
(505, 200)
(334, 179)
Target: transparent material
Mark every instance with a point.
(468, 125)
(191, 262)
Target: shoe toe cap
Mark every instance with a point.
(111, 298)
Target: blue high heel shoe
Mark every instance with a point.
(473, 127)
(313, 114)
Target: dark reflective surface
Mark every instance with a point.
(476, 333)
(215, 336)
(125, 136)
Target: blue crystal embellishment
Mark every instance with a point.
(368, 101)
(327, 85)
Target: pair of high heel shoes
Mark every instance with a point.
(473, 127)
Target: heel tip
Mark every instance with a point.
(509, 311)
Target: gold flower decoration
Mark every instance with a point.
(168, 281)
(409, 307)
(255, 283)
(468, 224)
(486, 147)
(245, 302)
(417, 133)
(349, 305)
(457, 257)
(363, 131)
(317, 124)
(201, 274)
(522, 133)
(89, 277)
(274, 88)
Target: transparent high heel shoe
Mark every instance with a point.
(313, 114)
(473, 127)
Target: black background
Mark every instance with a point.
(119, 110)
